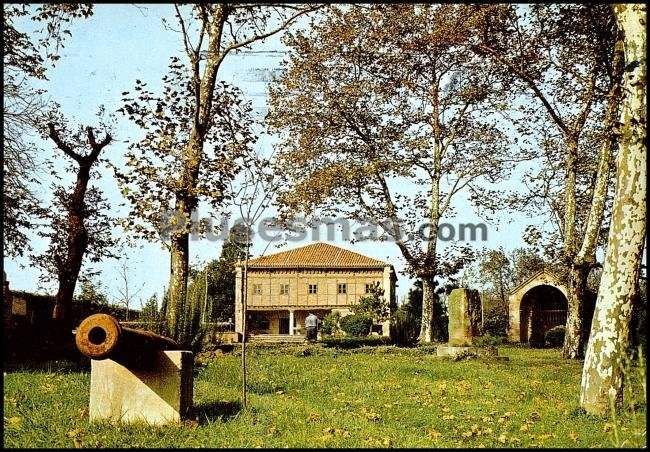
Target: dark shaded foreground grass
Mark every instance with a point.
(317, 397)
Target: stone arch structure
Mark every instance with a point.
(536, 305)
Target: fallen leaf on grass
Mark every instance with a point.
(14, 421)
(448, 417)
(371, 415)
(336, 431)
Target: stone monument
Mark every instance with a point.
(465, 317)
(464, 307)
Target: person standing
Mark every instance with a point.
(311, 324)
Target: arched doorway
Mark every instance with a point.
(542, 308)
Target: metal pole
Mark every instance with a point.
(244, 321)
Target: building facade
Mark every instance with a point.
(283, 288)
(540, 303)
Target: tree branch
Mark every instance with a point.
(96, 147)
(531, 84)
(54, 135)
(258, 37)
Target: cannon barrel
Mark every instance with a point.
(100, 336)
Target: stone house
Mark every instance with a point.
(283, 288)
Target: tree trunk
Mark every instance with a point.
(178, 283)
(77, 243)
(575, 335)
(570, 197)
(602, 375)
(638, 306)
(428, 310)
(577, 279)
(64, 297)
(587, 253)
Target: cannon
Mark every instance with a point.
(135, 375)
(100, 336)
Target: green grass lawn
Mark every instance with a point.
(377, 397)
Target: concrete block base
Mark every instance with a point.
(454, 351)
(160, 394)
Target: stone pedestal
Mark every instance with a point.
(160, 394)
(455, 351)
(464, 316)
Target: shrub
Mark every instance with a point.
(495, 321)
(406, 327)
(488, 340)
(354, 342)
(373, 304)
(555, 336)
(427, 349)
(330, 323)
(357, 325)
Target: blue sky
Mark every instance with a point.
(122, 43)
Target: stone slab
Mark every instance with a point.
(158, 395)
(464, 310)
(453, 351)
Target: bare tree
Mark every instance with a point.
(77, 224)
(253, 194)
(126, 290)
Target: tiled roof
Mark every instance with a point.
(316, 255)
